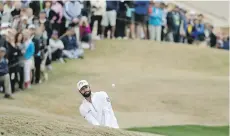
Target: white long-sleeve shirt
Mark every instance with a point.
(100, 7)
(100, 111)
(56, 44)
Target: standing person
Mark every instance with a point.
(164, 23)
(96, 107)
(13, 56)
(37, 55)
(72, 13)
(28, 56)
(170, 24)
(141, 15)
(130, 19)
(20, 46)
(50, 14)
(4, 73)
(44, 22)
(155, 22)
(176, 24)
(121, 21)
(212, 37)
(98, 9)
(58, 9)
(110, 16)
(7, 9)
(37, 6)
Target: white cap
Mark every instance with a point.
(82, 83)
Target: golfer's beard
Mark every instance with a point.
(87, 94)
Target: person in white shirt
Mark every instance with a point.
(96, 108)
(56, 46)
(98, 9)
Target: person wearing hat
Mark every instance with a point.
(4, 74)
(96, 107)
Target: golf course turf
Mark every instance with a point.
(185, 130)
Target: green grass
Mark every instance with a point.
(185, 130)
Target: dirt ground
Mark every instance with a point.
(156, 84)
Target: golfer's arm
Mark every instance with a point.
(87, 114)
(90, 118)
(110, 119)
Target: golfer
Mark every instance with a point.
(96, 108)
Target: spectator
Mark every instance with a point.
(183, 26)
(30, 15)
(219, 42)
(98, 9)
(7, 9)
(141, 14)
(37, 55)
(36, 22)
(164, 21)
(36, 6)
(13, 57)
(72, 13)
(198, 31)
(3, 42)
(23, 24)
(176, 24)
(86, 11)
(41, 34)
(58, 9)
(71, 47)
(46, 23)
(50, 14)
(155, 22)
(56, 46)
(170, 24)
(226, 43)
(17, 9)
(120, 32)
(85, 32)
(110, 16)
(130, 19)
(20, 46)
(189, 32)
(28, 56)
(25, 4)
(200, 28)
(4, 74)
(212, 37)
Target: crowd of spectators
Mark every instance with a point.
(33, 34)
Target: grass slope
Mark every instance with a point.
(186, 130)
(156, 84)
